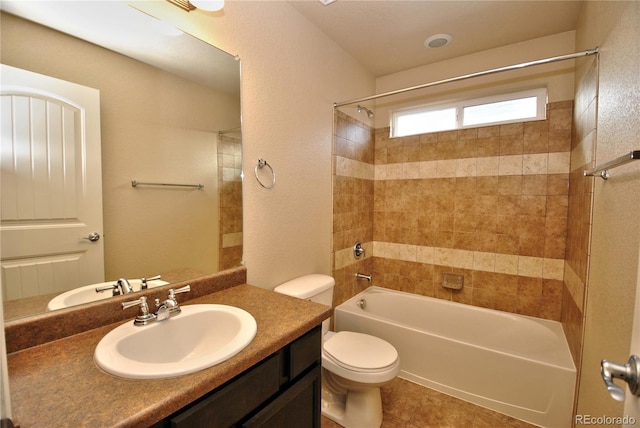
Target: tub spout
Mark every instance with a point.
(363, 276)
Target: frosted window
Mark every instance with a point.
(426, 121)
(494, 110)
(524, 108)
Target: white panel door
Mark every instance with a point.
(632, 402)
(50, 184)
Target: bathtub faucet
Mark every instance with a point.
(363, 276)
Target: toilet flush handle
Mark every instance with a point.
(628, 372)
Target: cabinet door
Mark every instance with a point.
(304, 353)
(297, 407)
(231, 403)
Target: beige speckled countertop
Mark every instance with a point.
(57, 384)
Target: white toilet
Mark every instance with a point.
(354, 365)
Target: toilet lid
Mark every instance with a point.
(360, 351)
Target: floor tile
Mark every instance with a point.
(408, 405)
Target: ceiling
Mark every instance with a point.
(388, 36)
(117, 26)
(385, 36)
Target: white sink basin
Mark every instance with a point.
(199, 337)
(87, 293)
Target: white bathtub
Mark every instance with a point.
(513, 364)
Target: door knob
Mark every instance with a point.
(93, 237)
(627, 372)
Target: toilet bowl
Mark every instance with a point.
(354, 365)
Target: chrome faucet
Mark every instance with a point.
(363, 276)
(165, 310)
(121, 287)
(144, 317)
(124, 287)
(170, 307)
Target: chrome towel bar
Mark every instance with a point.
(135, 183)
(602, 171)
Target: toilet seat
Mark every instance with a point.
(360, 358)
(360, 352)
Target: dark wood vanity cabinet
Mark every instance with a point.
(281, 391)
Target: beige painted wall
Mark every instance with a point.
(557, 77)
(615, 247)
(291, 75)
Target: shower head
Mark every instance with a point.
(369, 112)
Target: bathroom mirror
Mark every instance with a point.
(161, 135)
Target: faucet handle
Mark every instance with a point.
(112, 287)
(144, 317)
(142, 301)
(184, 289)
(143, 281)
(172, 292)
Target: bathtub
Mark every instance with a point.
(513, 364)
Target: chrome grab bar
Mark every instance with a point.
(135, 183)
(603, 169)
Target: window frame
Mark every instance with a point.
(541, 110)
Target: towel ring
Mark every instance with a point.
(261, 164)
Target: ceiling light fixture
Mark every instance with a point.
(327, 2)
(437, 41)
(208, 5)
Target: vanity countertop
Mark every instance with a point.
(58, 384)
(18, 308)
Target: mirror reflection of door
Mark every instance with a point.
(50, 146)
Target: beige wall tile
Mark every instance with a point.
(466, 167)
(487, 166)
(559, 163)
(490, 203)
(425, 254)
(534, 164)
(506, 263)
(446, 168)
(530, 266)
(510, 165)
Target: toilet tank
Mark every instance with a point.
(317, 288)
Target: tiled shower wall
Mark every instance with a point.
(488, 203)
(353, 184)
(230, 182)
(580, 210)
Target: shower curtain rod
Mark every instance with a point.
(471, 75)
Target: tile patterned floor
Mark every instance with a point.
(408, 405)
